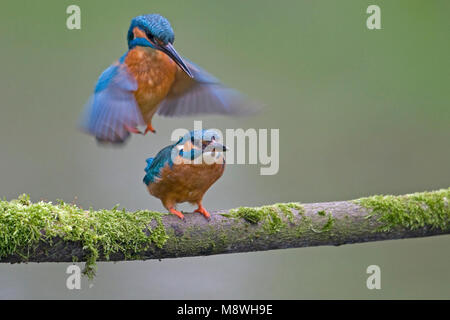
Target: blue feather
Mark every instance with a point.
(149, 163)
(112, 107)
(155, 25)
(204, 94)
(155, 165)
(105, 78)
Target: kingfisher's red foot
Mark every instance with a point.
(177, 213)
(149, 128)
(133, 130)
(203, 211)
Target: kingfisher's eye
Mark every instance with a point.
(150, 37)
(155, 40)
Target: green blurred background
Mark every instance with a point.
(360, 112)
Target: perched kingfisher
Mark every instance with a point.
(152, 77)
(184, 171)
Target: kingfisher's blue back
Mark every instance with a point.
(155, 165)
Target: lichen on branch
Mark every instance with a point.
(62, 232)
(23, 225)
(412, 211)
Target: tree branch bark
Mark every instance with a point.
(277, 227)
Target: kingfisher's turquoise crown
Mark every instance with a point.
(154, 25)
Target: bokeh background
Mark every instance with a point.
(360, 112)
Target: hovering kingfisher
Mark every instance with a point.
(184, 171)
(152, 77)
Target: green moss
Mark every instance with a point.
(316, 226)
(24, 224)
(286, 209)
(271, 216)
(274, 218)
(199, 240)
(328, 225)
(411, 211)
(321, 213)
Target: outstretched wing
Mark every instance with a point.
(112, 109)
(203, 94)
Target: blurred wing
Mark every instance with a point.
(112, 108)
(202, 95)
(155, 165)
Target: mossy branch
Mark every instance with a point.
(46, 232)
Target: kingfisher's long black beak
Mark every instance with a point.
(173, 54)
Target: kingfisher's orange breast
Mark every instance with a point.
(185, 182)
(155, 73)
